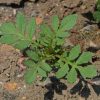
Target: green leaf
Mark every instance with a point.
(46, 40)
(55, 22)
(30, 75)
(8, 28)
(65, 54)
(8, 39)
(72, 76)
(14, 41)
(31, 27)
(20, 23)
(29, 63)
(42, 72)
(68, 22)
(59, 41)
(84, 58)
(15, 35)
(45, 30)
(61, 34)
(0, 33)
(62, 71)
(33, 55)
(59, 63)
(46, 67)
(88, 71)
(74, 53)
(43, 41)
(96, 16)
(22, 44)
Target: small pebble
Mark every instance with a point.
(14, 11)
(83, 7)
(24, 98)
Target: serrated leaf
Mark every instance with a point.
(29, 63)
(46, 67)
(65, 54)
(22, 44)
(33, 55)
(8, 28)
(31, 27)
(85, 57)
(68, 22)
(42, 72)
(45, 29)
(74, 53)
(59, 63)
(88, 71)
(96, 16)
(14, 41)
(59, 41)
(46, 40)
(61, 34)
(72, 76)
(15, 35)
(20, 23)
(62, 71)
(55, 22)
(30, 75)
(43, 41)
(8, 39)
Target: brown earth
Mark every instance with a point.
(86, 33)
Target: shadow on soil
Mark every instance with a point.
(88, 15)
(93, 49)
(81, 88)
(96, 89)
(91, 20)
(55, 86)
(14, 5)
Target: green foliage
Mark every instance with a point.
(76, 62)
(68, 22)
(46, 52)
(88, 71)
(30, 75)
(18, 34)
(72, 75)
(62, 71)
(96, 14)
(74, 53)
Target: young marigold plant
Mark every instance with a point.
(46, 51)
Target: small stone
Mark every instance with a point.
(24, 98)
(14, 12)
(83, 7)
(10, 86)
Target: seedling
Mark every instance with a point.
(45, 52)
